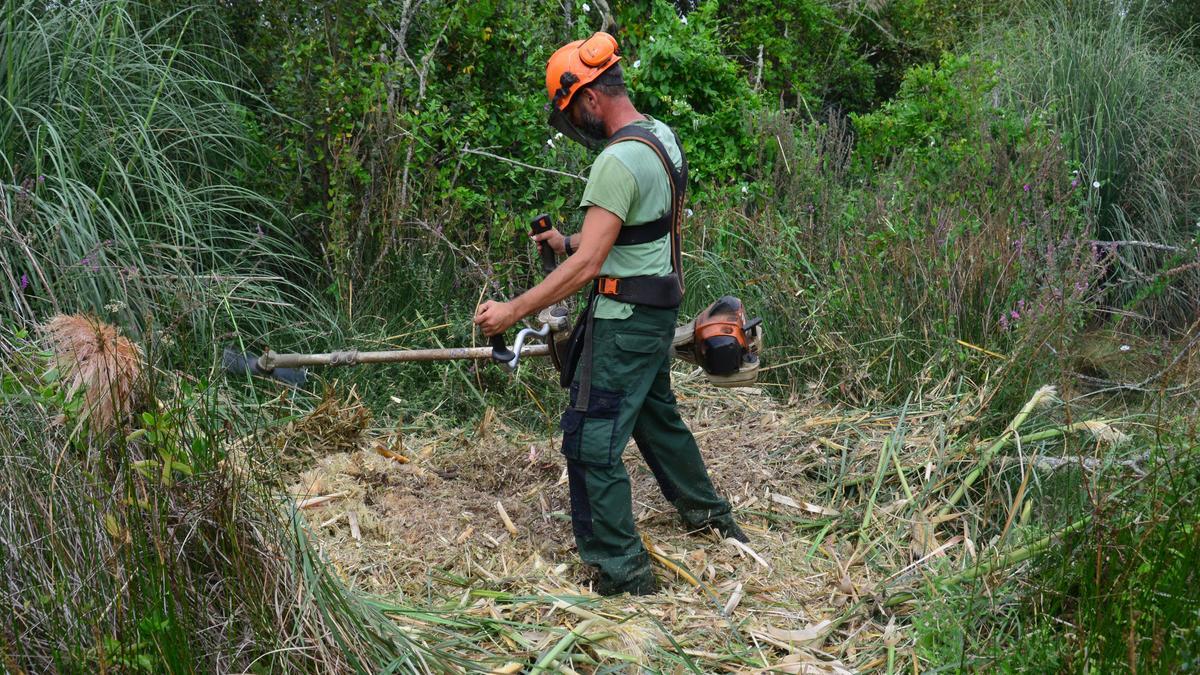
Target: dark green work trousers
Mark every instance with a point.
(631, 395)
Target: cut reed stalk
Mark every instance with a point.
(561, 646)
(1042, 396)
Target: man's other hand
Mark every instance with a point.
(495, 317)
(552, 238)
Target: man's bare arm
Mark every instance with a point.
(596, 239)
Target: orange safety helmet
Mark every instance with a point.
(576, 64)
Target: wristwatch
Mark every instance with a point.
(567, 244)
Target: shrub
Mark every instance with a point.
(897, 35)
(808, 61)
(678, 73)
(938, 120)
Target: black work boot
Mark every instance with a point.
(727, 528)
(730, 530)
(641, 583)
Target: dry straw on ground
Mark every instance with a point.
(849, 513)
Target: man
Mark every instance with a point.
(620, 382)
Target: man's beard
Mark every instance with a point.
(592, 126)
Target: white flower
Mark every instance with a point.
(688, 212)
(1125, 348)
(586, 8)
(1096, 184)
(683, 20)
(558, 136)
(637, 64)
(652, 38)
(550, 142)
(745, 190)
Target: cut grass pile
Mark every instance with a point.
(854, 517)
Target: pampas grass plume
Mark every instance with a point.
(94, 359)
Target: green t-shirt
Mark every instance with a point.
(630, 180)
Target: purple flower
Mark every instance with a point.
(1027, 187)
(24, 281)
(1074, 182)
(1014, 315)
(41, 179)
(1080, 286)
(1003, 322)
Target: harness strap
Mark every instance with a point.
(584, 396)
(646, 232)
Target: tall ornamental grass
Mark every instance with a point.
(1125, 97)
(124, 164)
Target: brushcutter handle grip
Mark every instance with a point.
(540, 224)
(500, 352)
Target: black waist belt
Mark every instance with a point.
(663, 292)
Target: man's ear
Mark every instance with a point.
(592, 100)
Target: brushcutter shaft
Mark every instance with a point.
(270, 360)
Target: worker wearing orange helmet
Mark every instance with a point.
(618, 374)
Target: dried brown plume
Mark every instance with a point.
(93, 358)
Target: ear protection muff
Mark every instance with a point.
(597, 50)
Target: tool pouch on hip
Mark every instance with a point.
(588, 435)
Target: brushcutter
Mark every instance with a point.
(721, 340)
